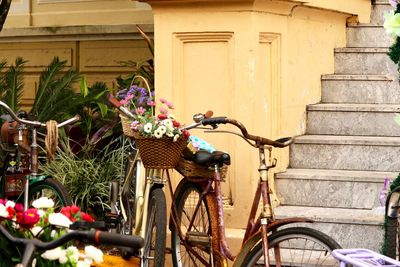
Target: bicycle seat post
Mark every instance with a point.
(34, 166)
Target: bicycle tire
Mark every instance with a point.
(185, 202)
(156, 227)
(287, 238)
(50, 188)
(392, 237)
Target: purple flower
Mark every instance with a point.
(134, 125)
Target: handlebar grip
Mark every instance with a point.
(283, 142)
(118, 240)
(214, 121)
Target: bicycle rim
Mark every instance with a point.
(188, 254)
(52, 189)
(298, 246)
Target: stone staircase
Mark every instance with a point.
(352, 142)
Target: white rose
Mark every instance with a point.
(73, 253)
(59, 219)
(10, 203)
(94, 253)
(53, 254)
(36, 230)
(43, 203)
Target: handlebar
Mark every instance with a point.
(37, 123)
(259, 140)
(95, 237)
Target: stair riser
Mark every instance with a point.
(345, 157)
(364, 63)
(377, 13)
(352, 123)
(350, 235)
(367, 92)
(368, 37)
(328, 193)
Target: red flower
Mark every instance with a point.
(162, 116)
(19, 207)
(11, 212)
(176, 124)
(28, 218)
(67, 211)
(87, 217)
(186, 133)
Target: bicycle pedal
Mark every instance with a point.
(198, 238)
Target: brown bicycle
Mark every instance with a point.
(197, 216)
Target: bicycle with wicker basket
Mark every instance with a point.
(197, 214)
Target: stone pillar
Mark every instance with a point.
(257, 61)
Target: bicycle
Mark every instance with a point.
(197, 215)
(20, 180)
(95, 237)
(138, 205)
(392, 223)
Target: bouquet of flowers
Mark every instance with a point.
(43, 223)
(159, 138)
(140, 102)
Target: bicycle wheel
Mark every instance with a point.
(196, 251)
(392, 237)
(154, 242)
(50, 188)
(298, 246)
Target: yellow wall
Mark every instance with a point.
(257, 61)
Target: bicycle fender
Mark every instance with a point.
(246, 248)
(33, 179)
(392, 205)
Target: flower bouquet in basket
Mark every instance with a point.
(158, 136)
(43, 223)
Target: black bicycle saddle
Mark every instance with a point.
(208, 159)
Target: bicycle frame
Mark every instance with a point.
(257, 227)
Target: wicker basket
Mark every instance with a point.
(190, 169)
(161, 153)
(126, 128)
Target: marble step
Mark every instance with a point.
(368, 89)
(367, 153)
(378, 10)
(353, 119)
(364, 61)
(343, 189)
(349, 227)
(367, 35)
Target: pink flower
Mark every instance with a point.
(170, 105)
(140, 111)
(163, 100)
(151, 103)
(19, 207)
(123, 102)
(134, 125)
(163, 110)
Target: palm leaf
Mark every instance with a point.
(47, 81)
(13, 82)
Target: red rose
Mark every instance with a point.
(162, 116)
(176, 124)
(11, 212)
(74, 209)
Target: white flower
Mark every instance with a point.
(36, 230)
(43, 203)
(158, 134)
(53, 254)
(162, 129)
(168, 123)
(82, 264)
(392, 23)
(147, 128)
(3, 211)
(41, 213)
(170, 134)
(73, 253)
(10, 203)
(94, 253)
(176, 137)
(59, 219)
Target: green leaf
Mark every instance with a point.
(103, 108)
(84, 86)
